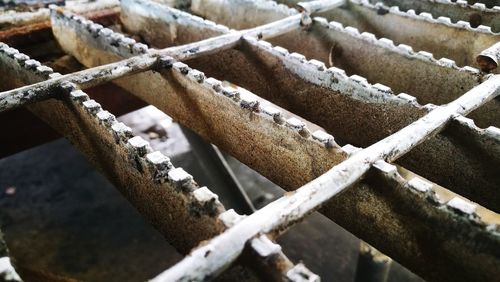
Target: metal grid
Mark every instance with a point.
(253, 130)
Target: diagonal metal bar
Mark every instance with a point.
(94, 76)
(139, 172)
(468, 174)
(219, 252)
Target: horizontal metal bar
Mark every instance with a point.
(11, 18)
(319, 5)
(476, 13)
(220, 251)
(423, 31)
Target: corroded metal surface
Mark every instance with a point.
(398, 211)
(424, 31)
(240, 121)
(147, 179)
(275, 172)
(329, 98)
(214, 256)
(474, 12)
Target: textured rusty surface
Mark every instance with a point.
(200, 214)
(276, 75)
(218, 118)
(164, 205)
(390, 209)
(457, 39)
(285, 170)
(412, 219)
(475, 12)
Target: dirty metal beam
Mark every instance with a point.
(373, 266)
(475, 13)
(182, 89)
(216, 255)
(86, 78)
(330, 99)
(251, 139)
(148, 179)
(382, 111)
(91, 77)
(405, 70)
(228, 12)
(380, 60)
(167, 196)
(246, 105)
(13, 18)
(424, 32)
(33, 33)
(486, 141)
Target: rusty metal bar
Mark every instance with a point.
(91, 77)
(423, 31)
(136, 163)
(322, 87)
(362, 54)
(469, 174)
(290, 171)
(216, 255)
(475, 13)
(463, 176)
(246, 103)
(319, 6)
(11, 18)
(274, 261)
(243, 108)
(87, 78)
(148, 179)
(267, 256)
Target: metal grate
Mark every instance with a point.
(391, 194)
